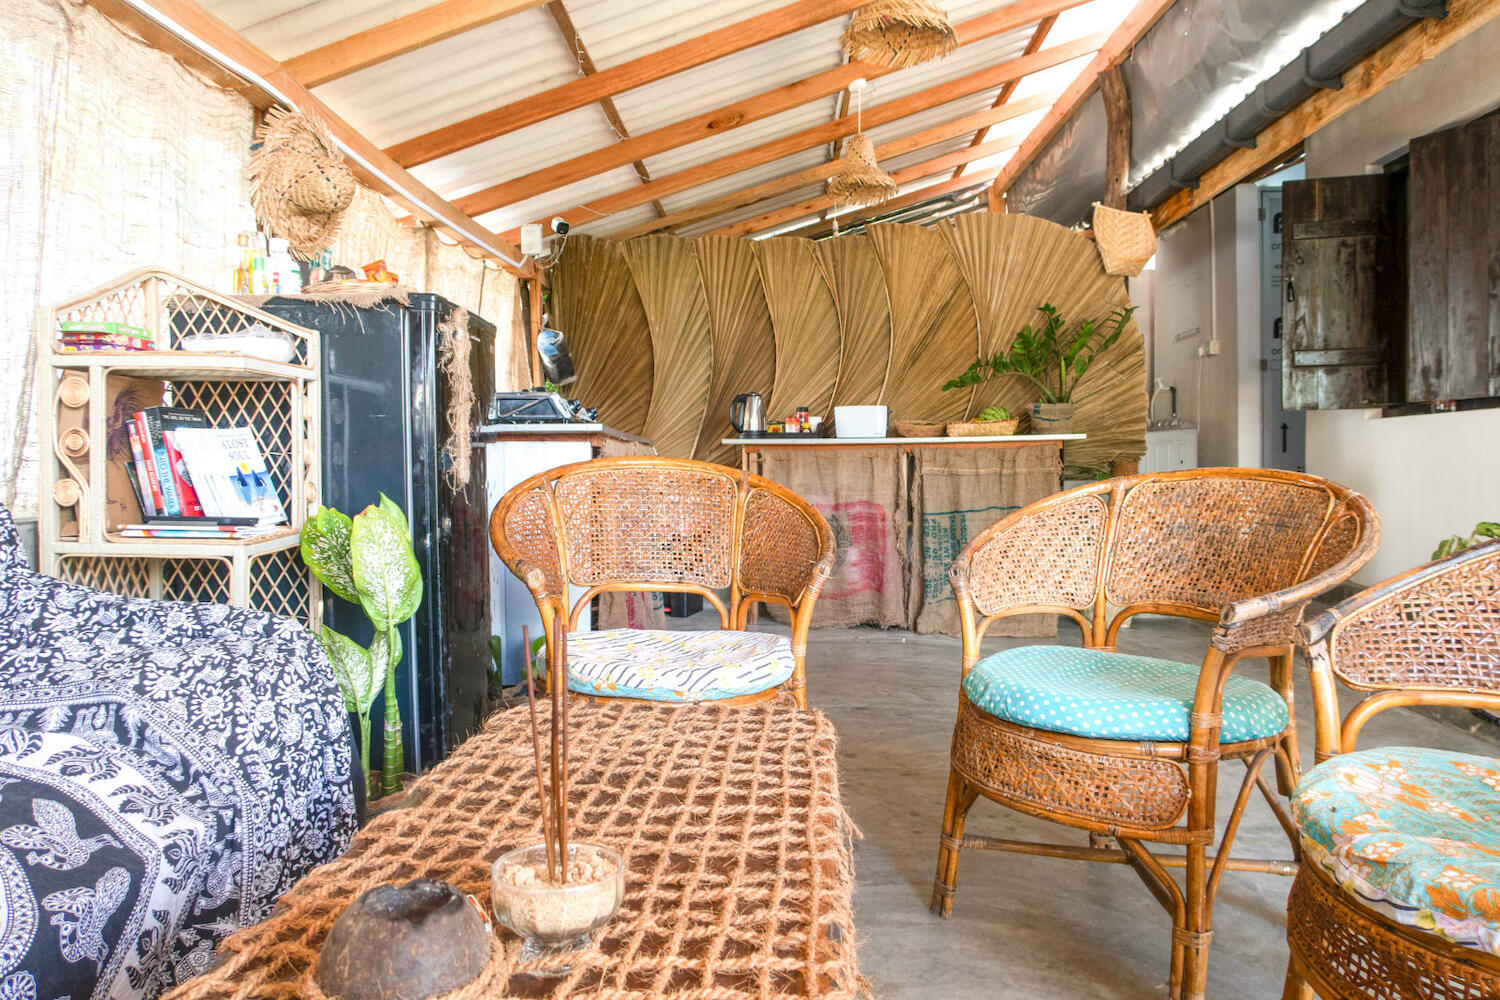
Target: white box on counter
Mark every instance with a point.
(860, 421)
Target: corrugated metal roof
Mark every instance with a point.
(525, 54)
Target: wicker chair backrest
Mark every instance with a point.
(649, 525)
(1437, 627)
(1048, 557)
(1209, 540)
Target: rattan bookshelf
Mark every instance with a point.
(85, 402)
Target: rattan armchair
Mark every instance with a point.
(1128, 748)
(666, 524)
(1397, 899)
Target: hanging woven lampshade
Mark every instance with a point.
(899, 33)
(859, 180)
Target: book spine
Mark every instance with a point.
(148, 464)
(182, 484)
(142, 481)
(170, 503)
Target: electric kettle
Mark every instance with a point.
(747, 415)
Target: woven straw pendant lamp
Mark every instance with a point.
(859, 180)
(899, 33)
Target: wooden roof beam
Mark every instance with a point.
(173, 24)
(1416, 45)
(397, 37)
(732, 116)
(770, 220)
(614, 80)
(776, 149)
(822, 171)
(1113, 52)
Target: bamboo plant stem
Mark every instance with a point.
(536, 751)
(394, 762)
(560, 751)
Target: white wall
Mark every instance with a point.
(1207, 288)
(1433, 475)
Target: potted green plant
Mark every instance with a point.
(368, 560)
(1484, 532)
(1053, 356)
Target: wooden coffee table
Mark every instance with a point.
(739, 878)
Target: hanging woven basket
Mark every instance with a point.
(299, 183)
(1126, 240)
(899, 33)
(859, 180)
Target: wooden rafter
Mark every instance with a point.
(1416, 45)
(637, 72)
(364, 49)
(811, 175)
(717, 122)
(1043, 28)
(787, 145)
(176, 23)
(1114, 51)
(586, 65)
(849, 220)
(1117, 136)
(770, 220)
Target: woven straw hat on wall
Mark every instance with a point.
(899, 33)
(299, 183)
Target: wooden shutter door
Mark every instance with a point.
(1341, 293)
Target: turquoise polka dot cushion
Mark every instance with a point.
(1414, 833)
(1113, 696)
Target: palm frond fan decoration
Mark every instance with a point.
(899, 33)
(299, 183)
(859, 180)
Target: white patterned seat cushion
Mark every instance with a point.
(658, 665)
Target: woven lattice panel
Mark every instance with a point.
(806, 325)
(853, 274)
(933, 331)
(666, 276)
(1058, 547)
(200, 580)
(597, 308)
(114, 574)
(1352, 954)
(174, 308)
(744, 346)
(1044, 776)
(280, 584)
(264, 407)
(779, 546)
(739, 878)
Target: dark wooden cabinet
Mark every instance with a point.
(1343, 292)
(1454, 257)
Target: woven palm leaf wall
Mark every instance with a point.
(665, 331)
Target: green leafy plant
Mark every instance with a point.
(368, 560)
(1052, 356)
(1484, 531)
(990, 413)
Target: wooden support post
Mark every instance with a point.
(534, 325)
(1117, 136)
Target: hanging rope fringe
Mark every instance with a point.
(453, 358)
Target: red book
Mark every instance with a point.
(155, 484)
(187, 497)
(141, 475)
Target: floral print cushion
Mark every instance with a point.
(659, 665)
(1113, 696)
(1415, 833)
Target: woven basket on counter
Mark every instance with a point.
(919, 428)
(984, 428)
(1126, 240)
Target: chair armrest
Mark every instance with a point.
(786, 548)
(525, 538)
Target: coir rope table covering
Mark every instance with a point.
(739, 877)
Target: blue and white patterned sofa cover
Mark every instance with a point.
(167, 770)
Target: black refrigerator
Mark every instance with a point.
(383, 427)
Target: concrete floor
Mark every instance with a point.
(1027, 927)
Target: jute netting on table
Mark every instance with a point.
(739, 877)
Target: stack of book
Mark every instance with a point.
(93, 335)
(194, 480)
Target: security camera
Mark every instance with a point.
(560, 226)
